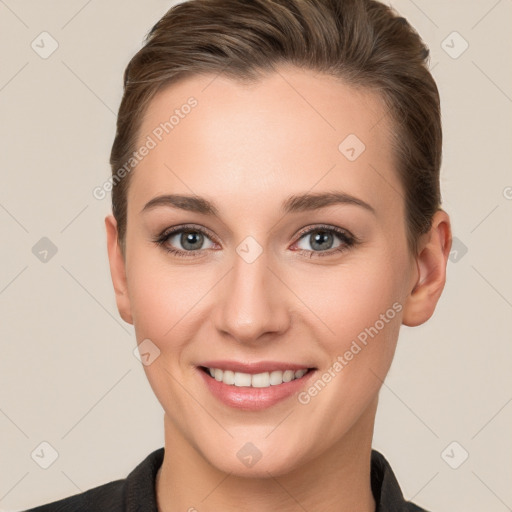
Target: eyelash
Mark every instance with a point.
(348, 240)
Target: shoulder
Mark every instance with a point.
(385, 487)
(107, 495)
(127, 494)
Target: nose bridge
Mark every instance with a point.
(252, 301)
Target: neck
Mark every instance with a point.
(338, 480)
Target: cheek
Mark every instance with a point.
(150, 293)
(162, 296)
(164, 300)
(349, 299)
(361, 307)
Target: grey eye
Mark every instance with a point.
(190, 240)
(319, 239)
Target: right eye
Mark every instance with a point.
(191, 240)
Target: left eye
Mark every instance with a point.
(322, 239)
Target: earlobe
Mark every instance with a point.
(431, 262)
(118, 270)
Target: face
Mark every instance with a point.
(289, 250)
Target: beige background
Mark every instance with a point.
(68, 373)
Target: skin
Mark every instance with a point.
(247, 148)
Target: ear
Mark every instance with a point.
(431, 263)
(118, 270)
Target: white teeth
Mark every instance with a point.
(261, 380)
(276, 378)
(241, 379)
(258, 380)
(228, 377)
(288, 375)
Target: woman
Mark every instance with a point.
(276, 219)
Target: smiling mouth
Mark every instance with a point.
(255, 380)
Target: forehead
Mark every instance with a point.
(291, 131)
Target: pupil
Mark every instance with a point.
(188, 240)
(320, 238)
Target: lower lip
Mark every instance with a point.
(254, 399)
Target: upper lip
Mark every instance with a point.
(254, 367)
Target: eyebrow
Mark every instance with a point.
(293, 204)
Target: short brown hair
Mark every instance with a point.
(363, 42)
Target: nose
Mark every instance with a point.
(252, 302)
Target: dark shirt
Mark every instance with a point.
(136, 492)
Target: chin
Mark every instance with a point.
(259, 459)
